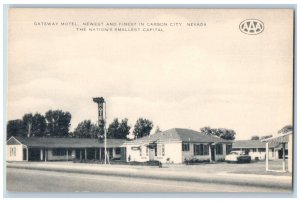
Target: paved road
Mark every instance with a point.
(21, 180)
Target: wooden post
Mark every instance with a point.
(267, 156)
(80, 154)
(283, 157)
(85, 154)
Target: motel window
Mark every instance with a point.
(254, 150)
(205, 149)
(198, 149)
(201, 149)
(118, 150)
(59, 152)
(228, 148)
(219, 149)
(185, 147)
(12, 151)
(143, 151)
(261, 149)
(159, 150)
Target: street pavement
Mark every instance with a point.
(70, 177)
(26, 180)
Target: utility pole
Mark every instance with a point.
(102, 121)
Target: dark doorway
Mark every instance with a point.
(110, 153)
(24, 154)
(34, 154)
(77, 153)
(280, 154)
(212, 152)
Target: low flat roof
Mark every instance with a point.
(239, 144)
(43, 142)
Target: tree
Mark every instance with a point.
(58, 123)
(286, 129)
(38, 125)
(118, 130)
(124, 129)
(224, 133)
(28, 120)
(255, 137)
(15, 128)
(86, 129)
(142, 127)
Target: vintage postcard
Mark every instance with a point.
(150, 100)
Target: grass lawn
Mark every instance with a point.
(255, 167)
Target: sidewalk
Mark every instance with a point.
(178, 174)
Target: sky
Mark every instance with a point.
(181, 77)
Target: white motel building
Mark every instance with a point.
(174, 145)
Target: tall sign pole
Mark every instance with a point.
(102, 121)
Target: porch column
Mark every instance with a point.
(67, 154)
(41, 154)
(95, 154)
(85, 154)
(267, 156)
(46, 154)
(80, 154)
(209, 152)
(27, 157)
(100, 154)
(283, 157)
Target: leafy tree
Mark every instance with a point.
(286, 129)
(28, 121)
(124, 129)
(58, 123)
(86, 129)
(118, 130)
(38, 125)
(113, 129)
(15, 128)
(255, 137)
(224, 133)
(142, 127)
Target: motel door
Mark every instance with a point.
(212, 151)
(151, 151)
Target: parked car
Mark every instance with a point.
(238, 157)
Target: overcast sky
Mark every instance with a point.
(187, 77)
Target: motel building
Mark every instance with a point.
(171, 146)
(177, 145)
(62, 149)
(257, 148)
